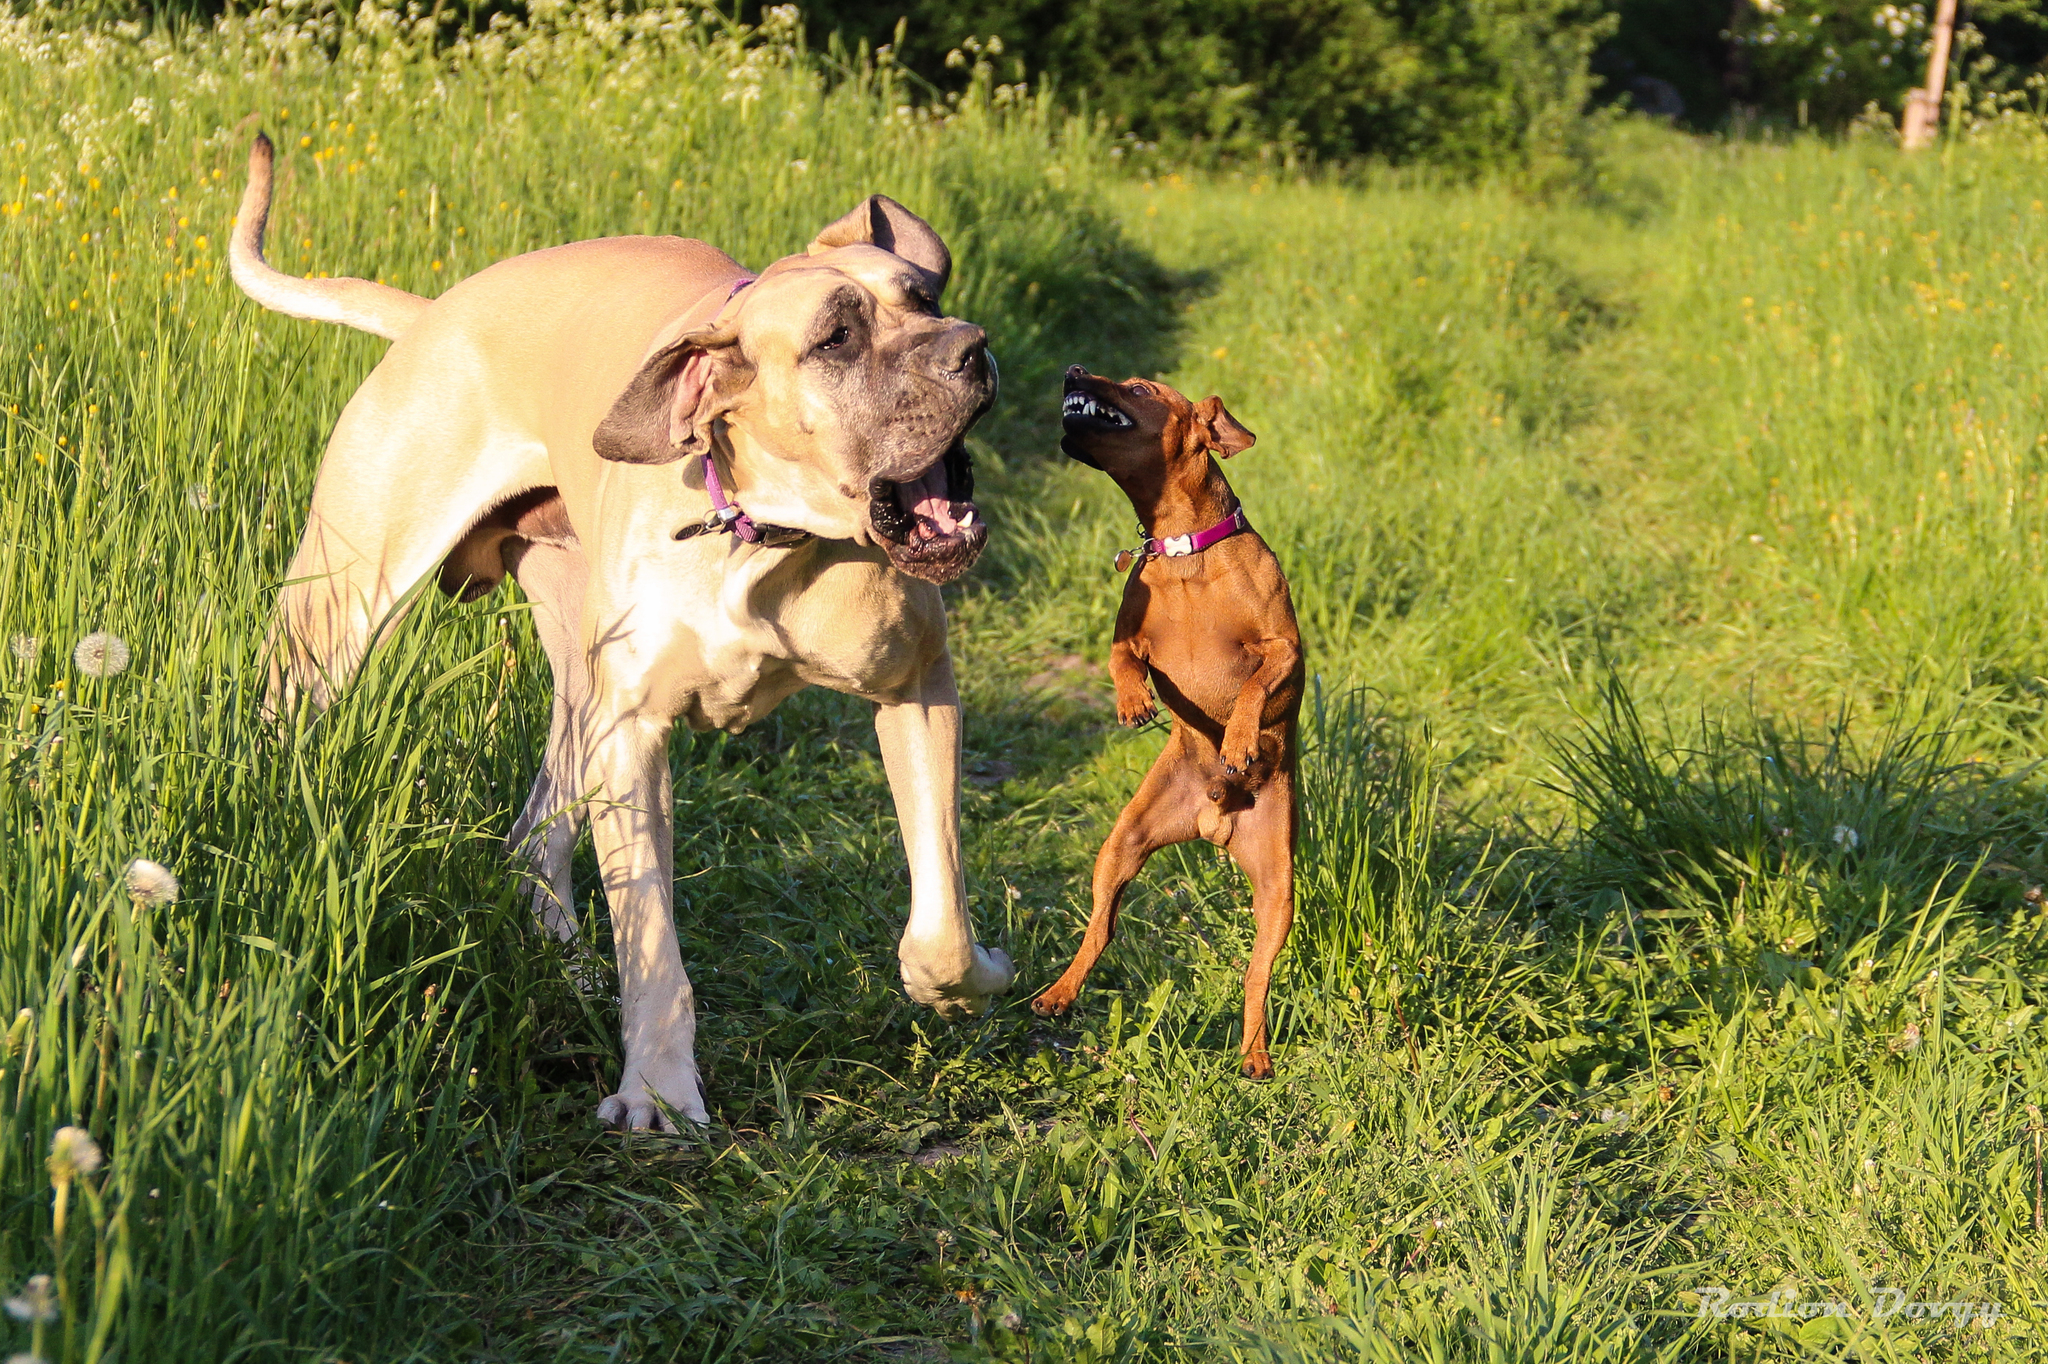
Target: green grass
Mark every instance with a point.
(1668, 563)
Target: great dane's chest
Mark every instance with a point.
(717, 634)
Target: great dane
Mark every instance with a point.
(715, 489)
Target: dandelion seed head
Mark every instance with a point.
(101, 654)
(26, 1358)
(1847, 838)
(25, 648)
(151, 883)
(199, 497)
(35, 1303)
(73, 1152)
(1010, 1321)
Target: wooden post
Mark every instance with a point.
(1923, 106)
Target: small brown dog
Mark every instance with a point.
(1206, 615)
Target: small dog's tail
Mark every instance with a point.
(359, 303)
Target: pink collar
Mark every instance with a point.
(1180, 546)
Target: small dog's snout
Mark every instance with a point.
(1076, 373)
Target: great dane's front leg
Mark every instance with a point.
(630, 823)
(942, 964)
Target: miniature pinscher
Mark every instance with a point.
(1206, 616)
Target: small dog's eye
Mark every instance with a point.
(1142, 390)
(836, 339)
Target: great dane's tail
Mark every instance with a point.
(359, 303)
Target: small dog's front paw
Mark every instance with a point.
(1240, 757)
(1134, 709)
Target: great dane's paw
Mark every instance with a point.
(637, 1110)
(988, 975)
(585, 969)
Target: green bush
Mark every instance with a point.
(1465, 82)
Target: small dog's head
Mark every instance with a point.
(1141, 426)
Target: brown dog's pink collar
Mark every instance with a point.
(1180, 546)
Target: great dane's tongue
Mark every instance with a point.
(928, 502)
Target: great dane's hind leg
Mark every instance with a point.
(366, 543)
(630, 822)
(942, 964)
(553, 577)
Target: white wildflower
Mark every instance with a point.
(151, 883)
(199, 497)
(36, 1302)
(26, 1358)
(25, 648)
(1847, 838)
(73, 1152)
(101, 654)
(142, 109)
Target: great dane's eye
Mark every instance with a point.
(837, 339)
(1142, 390)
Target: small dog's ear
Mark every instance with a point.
(665, 414)
(883, 222)
(1227, 435)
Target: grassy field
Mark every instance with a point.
(1668, 559)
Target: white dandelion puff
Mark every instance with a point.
(25, 1358)
(36, 1302)
(1847, 838)
(199, 497)
(151, 883)
(25, 648)
(73, 1152)
(101, 654)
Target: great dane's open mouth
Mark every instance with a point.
(929, 525)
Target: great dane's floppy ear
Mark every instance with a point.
(665, 414)
(883, 222)
(1225, 434)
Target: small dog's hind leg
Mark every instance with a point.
(1262, 844)
(1164, 812)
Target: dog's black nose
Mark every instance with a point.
(1075, 374)
(961, 346)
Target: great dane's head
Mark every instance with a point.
(841, 386)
